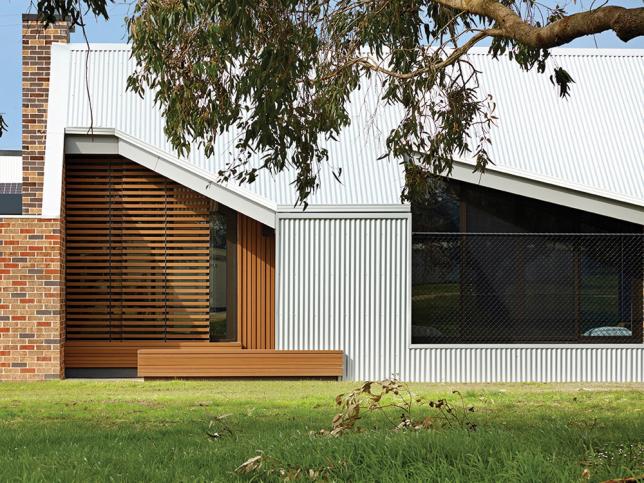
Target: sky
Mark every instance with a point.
(114, 30)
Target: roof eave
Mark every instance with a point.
(606, 204)
(81, 140)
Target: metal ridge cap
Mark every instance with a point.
(99, 46)
(346, 208)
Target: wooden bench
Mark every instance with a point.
(213, 362)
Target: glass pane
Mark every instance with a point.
(609, 293)
(435, 288)
(526, 288)
(439, 211)
(222, 320)
(519, 270)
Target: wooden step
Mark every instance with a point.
(213, 362)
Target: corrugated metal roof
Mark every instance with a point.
(592, 142)
(10, 169)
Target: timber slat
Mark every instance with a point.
(255, 285)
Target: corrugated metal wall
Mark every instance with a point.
(526, 364)
(10, 169)
(344, 284)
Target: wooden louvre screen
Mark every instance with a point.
(137, 254)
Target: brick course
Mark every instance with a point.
(31, 309)
(36, 57)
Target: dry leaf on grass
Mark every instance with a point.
(250, 464)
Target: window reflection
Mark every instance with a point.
(223, 233)
(491, 267)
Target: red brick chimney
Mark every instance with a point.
(36, 57)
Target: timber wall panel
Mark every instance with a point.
(255, 284)
(137, 248)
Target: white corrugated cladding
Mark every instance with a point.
(592, 142)
(343, 283)
(10, 169)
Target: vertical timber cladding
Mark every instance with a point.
(255, 284)
(137, 248)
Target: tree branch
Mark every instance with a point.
(627, 23)
(449, 60)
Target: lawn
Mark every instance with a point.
(157, 431)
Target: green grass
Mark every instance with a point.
(156, 431)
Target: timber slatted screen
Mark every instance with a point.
(137, 254)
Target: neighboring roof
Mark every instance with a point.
(10, 167)
(10, 188)
(589, 143)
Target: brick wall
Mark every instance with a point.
(31, 248)
(31, 317)
(36, 56)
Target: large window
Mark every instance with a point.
(490, 267)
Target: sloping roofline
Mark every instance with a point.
(112, 141)
(62, 140)
(541, 189)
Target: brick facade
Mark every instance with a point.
(31, 317)
(36, 57)
(31, 248)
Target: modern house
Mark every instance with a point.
(120, 256)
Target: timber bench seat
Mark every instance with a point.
(213, 362)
